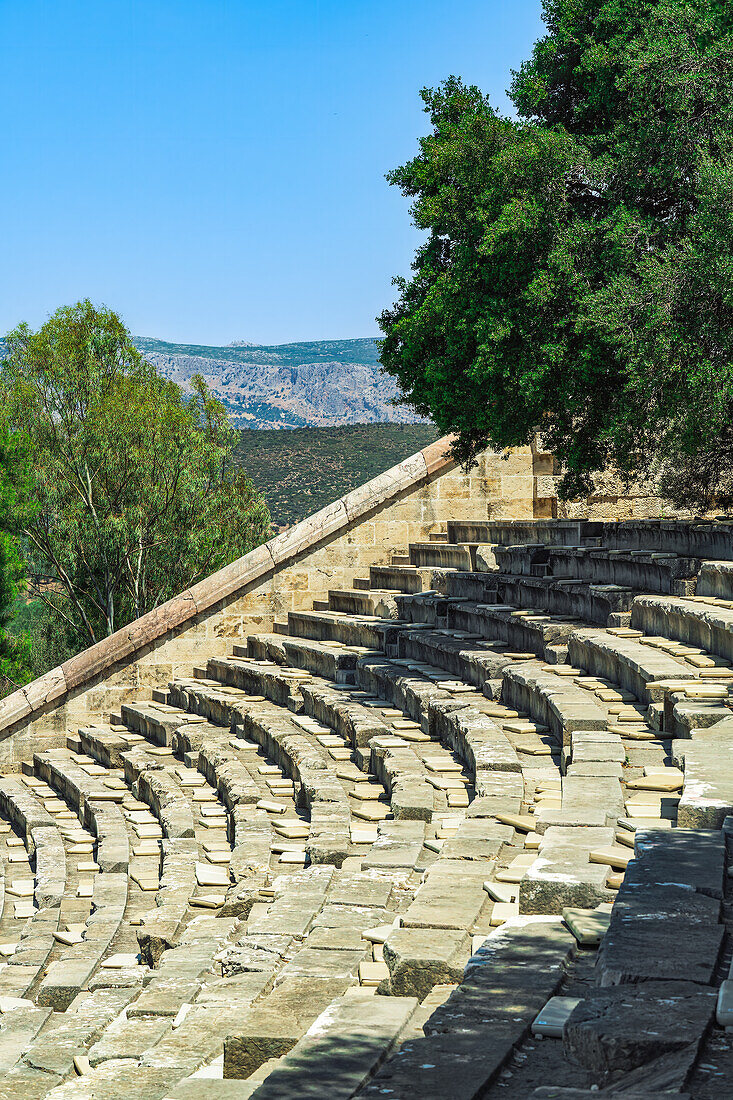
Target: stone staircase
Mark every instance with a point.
(459, 830)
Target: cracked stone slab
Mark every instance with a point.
(617, 1030)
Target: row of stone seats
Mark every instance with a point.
(570, 557)
(495, 795)
(620, 654)
(33, 956)
(574, 599)
(355, 716)
(551, 532)
(357, 632)
(370, 664)
(131, 773)
(653, 691)
(386, 1076)
(695, 622)
(704, 539)
(639, 570)
(572, 712)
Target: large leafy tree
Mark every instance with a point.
(16, 657)
(132, 495)
(577, 274)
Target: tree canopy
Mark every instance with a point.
(15, 647)
(577, 274)
(130, 495)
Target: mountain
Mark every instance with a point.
(322, 383)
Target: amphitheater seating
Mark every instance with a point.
(470, 802)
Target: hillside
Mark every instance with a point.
(324, 383)
(302, 470)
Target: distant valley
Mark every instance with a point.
(324, 383)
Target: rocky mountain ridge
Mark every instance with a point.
(322, 383)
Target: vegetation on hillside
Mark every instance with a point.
(300, 471)
(577, 277)
(129, 494)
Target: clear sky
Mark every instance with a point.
(214, 169)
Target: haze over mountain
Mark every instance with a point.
(322, 383)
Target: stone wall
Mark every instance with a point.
(611, 498)
(327, 550)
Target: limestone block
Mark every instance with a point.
(421, 958)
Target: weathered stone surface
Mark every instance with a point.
(270, 1031)
(556, 1092)
(562, 875)
(469, 1037)
(340, 1050)
(450, 897)
(668, 948)
(614, 1031)
(128, 1038)
(689, 857)
(420, 958)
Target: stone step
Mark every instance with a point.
(576, 599)
(715, 579)
(699, 539)
(664, 924)
(552, 700)
(516, 628)
(408, 578)
(377, 602)
(333, 661)
(707, 794)
(505, 984)
(638, 570)
(341, 1049)
(626, 662)
(477, 586)
(668, 574)
(429, 608)
(370, 632)
(252, 671)
(507, 532)
(562, 875)
(466, 657)
(440, 555)
(472, 735)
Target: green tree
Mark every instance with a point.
(577, 275)
(132, 495)
(16, 658)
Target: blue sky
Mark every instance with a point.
(215, 170)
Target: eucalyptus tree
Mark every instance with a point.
(132, 494)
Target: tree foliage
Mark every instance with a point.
(577, 274)
(16, 659)
(131, 495)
